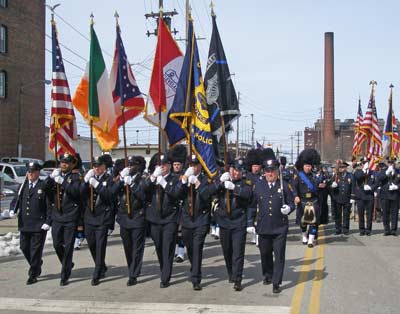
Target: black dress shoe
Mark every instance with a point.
(267, 281)
(276, 289)
(362, 233)
(386, 233)
(179, 259)
(72, 265)
(95, 282)
(393, 233)
(64, 282)
(31, 281)
(368, 233)
(164, 284)
(310, 245)
(237, 286)
(103, 272)
(197, 287)
(131, 282)
(346, 232)
(337, 232)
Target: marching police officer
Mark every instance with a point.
(98, 213)
(341, 193)
(164, 191)
(275, 202)
(389, 181)
(235, 195)
(366, 184)
(195, 217)
(132, 225)
(33, 210)
(254, 163)
(66, 213)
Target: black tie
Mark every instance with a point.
(30, 186)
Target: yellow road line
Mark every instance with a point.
(315, 296)
(299, 291)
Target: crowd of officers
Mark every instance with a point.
(256, 192)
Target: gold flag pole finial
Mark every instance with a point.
(116, 15)
(91, 18)
(212, 8)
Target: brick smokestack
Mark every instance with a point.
(329, 101)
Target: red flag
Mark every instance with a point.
(359, 137)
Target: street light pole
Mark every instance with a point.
(19, 112)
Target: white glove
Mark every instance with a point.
(229, 185)
(285, 209)
(11, 214)
(393, 187)
(366, 167)
(55, 173)
(59, 179)
(225, 177)
(192, 179)
(124, 172)
(334, 185)
(352, 201)
(93, 182)
(157, 172)
(88, 175)
(389, 170)
(161, 181)
(128, 180)
(189, 171)
(45, 227)
(367, 188)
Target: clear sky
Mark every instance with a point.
(275, 49)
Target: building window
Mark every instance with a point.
(3, 39)
(3, 3)
(3, 84)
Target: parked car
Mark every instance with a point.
(18, 171)
(8, 190)
(20, 160)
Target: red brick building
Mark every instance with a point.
(22, 77)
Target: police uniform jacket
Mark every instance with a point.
(103, 202)
(343, 192)
(362, 179)
(167, 209)
(136, 199)
(270, 219)
(33, 207)
(254, 178)
(202, 203)
(384, 182)
(70, 200)
(240, 199)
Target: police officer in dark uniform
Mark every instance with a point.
(275, 202)
(132, 225)
(96, 192)
(323, 177)
(66, 213)
(389, 180)
(366, 184)
(341, 193)
(164, 190)
(195, 218)
(253, 162)
(33, 209)
(231, 216)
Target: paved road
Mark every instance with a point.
(343, 274)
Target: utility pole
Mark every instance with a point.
(252, 130)
(291, 150)
(237, 129)
(298, 134)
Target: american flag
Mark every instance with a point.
(391, 139)
(371, 130)
(359, 137)
(62, 121)
(125, 89)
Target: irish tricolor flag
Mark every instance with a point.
(93, 97)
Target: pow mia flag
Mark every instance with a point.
(220, 92)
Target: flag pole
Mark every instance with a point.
(391, 120)
(226, 169)
(187, 106)
(127, 194)
(91, 140)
